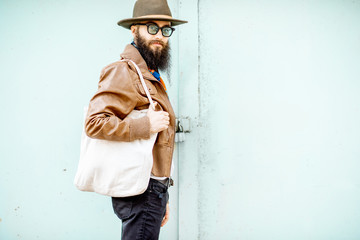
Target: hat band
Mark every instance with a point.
(154, 16)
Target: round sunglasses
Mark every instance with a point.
(153, 29)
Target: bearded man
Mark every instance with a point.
(120, 92)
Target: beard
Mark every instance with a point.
(156, 59)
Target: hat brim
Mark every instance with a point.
(126, 23)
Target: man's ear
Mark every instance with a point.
(133, 30)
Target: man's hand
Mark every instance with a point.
(167, 215)
(159, 120)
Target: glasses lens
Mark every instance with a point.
(153, 29)
(167, 31)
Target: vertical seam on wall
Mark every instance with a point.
(199, 76)
(199, 118)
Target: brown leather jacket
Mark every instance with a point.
(119, 92)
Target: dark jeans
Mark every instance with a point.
(141, 215)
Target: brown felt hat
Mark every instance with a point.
(145, 10)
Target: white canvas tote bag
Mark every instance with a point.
(115, 168)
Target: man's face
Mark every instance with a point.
(155, 43)
(154, 49)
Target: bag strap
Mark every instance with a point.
(142, 82)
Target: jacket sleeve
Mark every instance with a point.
(115, 99)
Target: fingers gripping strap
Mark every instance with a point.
(143, 83)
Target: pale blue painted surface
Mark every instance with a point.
(189, 107)
(272, 89)
(280, 112)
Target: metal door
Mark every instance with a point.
(272, 89)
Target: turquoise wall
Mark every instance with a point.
(279, 108)
(272, 91)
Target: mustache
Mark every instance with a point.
(158, 42)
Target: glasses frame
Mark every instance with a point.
(152, 23)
